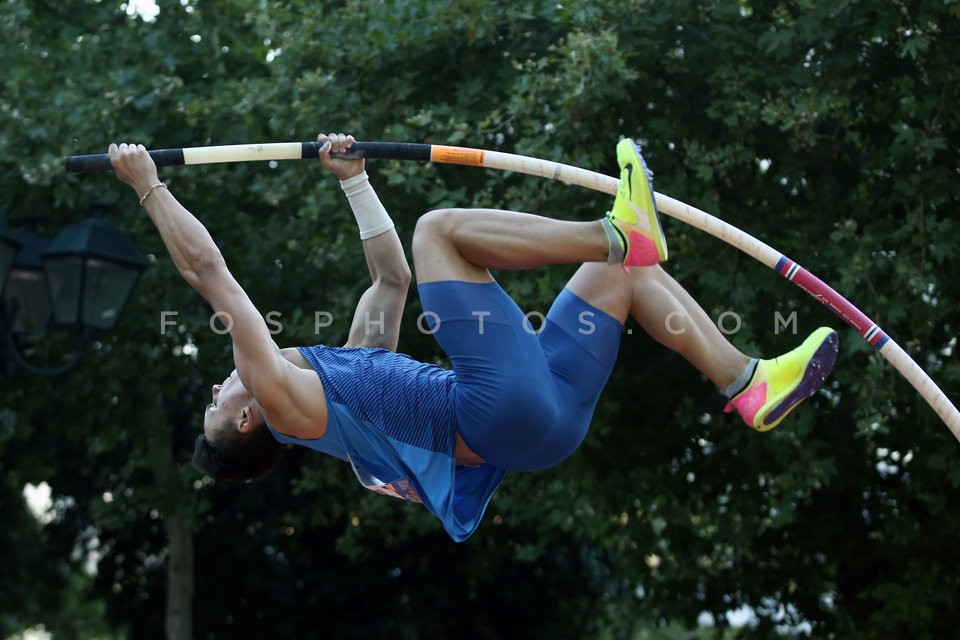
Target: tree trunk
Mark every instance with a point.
(179, 614)
(178, 617)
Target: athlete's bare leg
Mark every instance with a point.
(666, 311)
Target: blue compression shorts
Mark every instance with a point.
(523, 399)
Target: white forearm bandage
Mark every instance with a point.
(371, 217)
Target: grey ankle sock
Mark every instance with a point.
(616, 254)
(741, 383)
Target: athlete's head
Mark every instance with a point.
(235, 443)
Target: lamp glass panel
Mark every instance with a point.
(105, 292)
(26, 295)
(65, 276)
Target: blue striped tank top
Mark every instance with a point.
(392, 418)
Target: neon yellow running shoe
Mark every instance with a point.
(780, 384)
(634, 216)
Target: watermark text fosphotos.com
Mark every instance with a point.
(428, 322)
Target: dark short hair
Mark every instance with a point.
(238, 457)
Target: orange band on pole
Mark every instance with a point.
(456, 155)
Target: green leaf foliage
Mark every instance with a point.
(828, 130)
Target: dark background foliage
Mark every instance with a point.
(828, 130)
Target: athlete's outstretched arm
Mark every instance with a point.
(263, 371)
(376, 321)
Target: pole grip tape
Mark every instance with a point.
(375, 150)
(98, 162)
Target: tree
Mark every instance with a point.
(824, 129)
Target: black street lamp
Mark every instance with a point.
(25, 295)
(81, 280)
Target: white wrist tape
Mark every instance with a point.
(372, 218)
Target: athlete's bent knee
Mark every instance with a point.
(436, 224)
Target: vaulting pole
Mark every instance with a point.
(466, 156)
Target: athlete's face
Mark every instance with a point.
(229, 399)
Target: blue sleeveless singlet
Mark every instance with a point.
(392, 418)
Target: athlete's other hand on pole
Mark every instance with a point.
(335, 143)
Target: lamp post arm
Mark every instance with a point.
(13, 349)
(10, 346)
